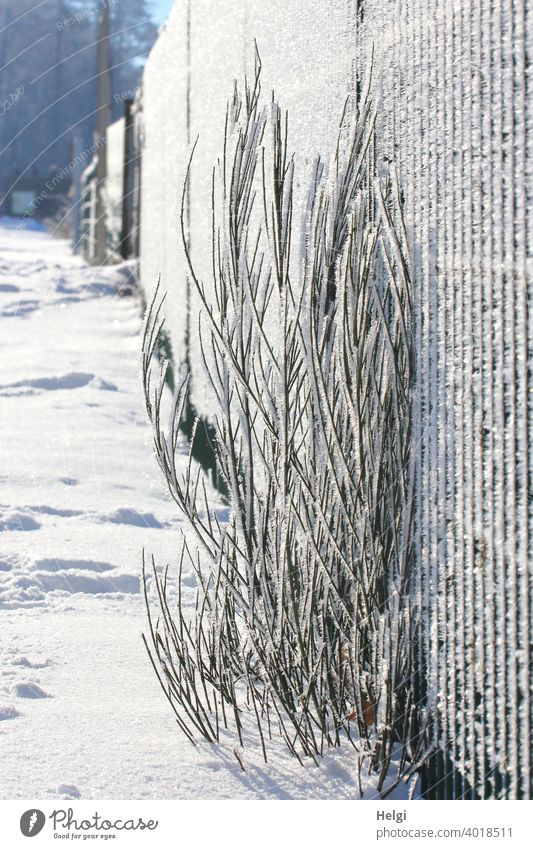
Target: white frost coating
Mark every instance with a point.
(114, 182)
(454, 112)
(454, 115)
(296, 47)
(164, 160)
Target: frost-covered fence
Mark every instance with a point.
(455, 110)
(112, 197)
(121, 194)
(87, 213)
(450, 83)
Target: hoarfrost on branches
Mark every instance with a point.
(303, 613)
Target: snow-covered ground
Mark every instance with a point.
(81, 713)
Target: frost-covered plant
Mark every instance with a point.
(303, 613)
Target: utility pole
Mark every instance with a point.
(104, 119)
(6, 17)
(77, 149)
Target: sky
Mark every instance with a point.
(161, 9)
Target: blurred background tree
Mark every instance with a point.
(48, 83)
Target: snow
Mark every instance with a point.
(81, 712)
(114, 188)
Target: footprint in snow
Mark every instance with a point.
(16, 520)
(10, 560)
(44, 510)
(28, 690)
(8, 713)
(90, 584)
(31, 664)
(46, 564)
(20, 308)
(65, 791)
(128, 516)
(71, 380)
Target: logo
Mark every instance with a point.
(32, 822)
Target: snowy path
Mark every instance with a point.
(81, 714)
